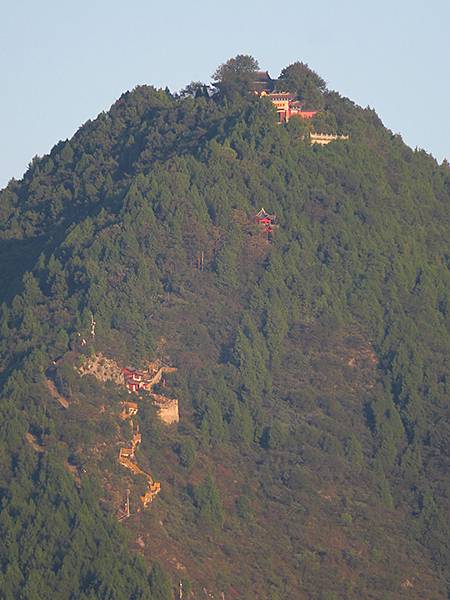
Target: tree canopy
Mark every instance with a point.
(235, 75)
(305, 83)
(240, 65)
(312, 367)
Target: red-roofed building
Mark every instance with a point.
(287, 106)
(267, 221)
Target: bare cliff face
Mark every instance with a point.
(168, 410)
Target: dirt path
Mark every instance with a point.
(33, 442)
(55, 394)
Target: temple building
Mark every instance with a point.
(262, 82)
(267, 222)
(287, 106)
(325, 138)
(285, 102)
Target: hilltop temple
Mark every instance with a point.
(285, 102)
(287, 106)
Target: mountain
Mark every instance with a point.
(307, 359)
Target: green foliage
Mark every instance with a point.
(57, 540)
(312, 371)
(305, 83)
(227, 262)
(273, 437)
(235, 74)
(243, 508)
(160, 585)
(354, 453)
(208, 503)
(346, 519)
(186, 453)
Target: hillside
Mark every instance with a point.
(310, 366)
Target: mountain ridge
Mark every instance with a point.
(312, 370)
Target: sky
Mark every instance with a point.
(63, 62)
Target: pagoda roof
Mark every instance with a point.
(262, 76)
(262, 82)
(263, 214)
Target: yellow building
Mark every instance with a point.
(281, 101)
(325, 138)
(287, 106)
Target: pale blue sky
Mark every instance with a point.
(62, 62)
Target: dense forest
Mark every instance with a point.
(310, 461)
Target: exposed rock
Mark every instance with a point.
(107, 369)
(55, 394)
(167, 408)
(32, 440)
(103, 368)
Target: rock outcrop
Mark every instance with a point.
(103, 368)
(107, 369)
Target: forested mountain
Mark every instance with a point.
(310, 458)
